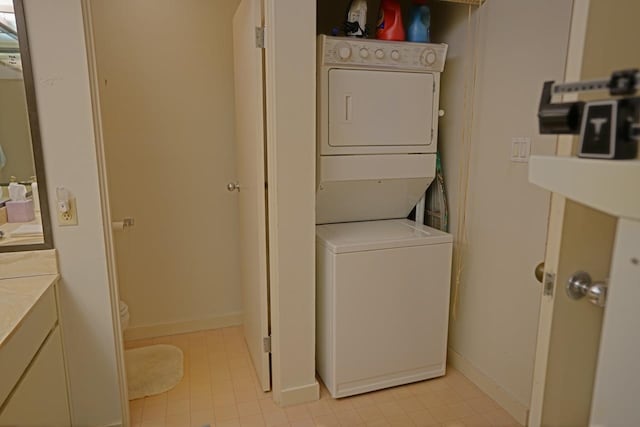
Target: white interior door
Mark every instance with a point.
(578, 238)
(585, 354)
(617, 385)
(250, 140)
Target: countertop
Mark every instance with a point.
(17, 298)
(606, 185)
(9, 227)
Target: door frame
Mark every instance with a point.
(573, 70)
(106, 209)
(290, 99)
(296, 278)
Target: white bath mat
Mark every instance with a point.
(153, 369)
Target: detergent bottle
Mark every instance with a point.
(356, 22)
(420, 26)
(390, 21)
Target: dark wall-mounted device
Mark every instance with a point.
(608, 129)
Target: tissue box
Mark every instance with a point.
(20, 211)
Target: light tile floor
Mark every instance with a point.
(220, 389)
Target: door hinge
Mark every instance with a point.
(548, 284)
(266, 344)
(431, 136)
(260, 37)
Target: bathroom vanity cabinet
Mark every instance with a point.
(33, 386)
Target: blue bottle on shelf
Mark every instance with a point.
(420, 22)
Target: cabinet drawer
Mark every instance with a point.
(40, 399)
(19, 350)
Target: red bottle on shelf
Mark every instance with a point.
(390, 21)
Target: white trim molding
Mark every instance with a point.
(163, 329)
(301, 394)
(503, 397)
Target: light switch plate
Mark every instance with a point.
(520, 149)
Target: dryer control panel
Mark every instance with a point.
(408, 56)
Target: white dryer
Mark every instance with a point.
(382, 281)
(377, 126)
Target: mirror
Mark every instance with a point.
(24, 214)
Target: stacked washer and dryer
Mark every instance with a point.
(382, 280)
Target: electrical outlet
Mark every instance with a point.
(70, 217)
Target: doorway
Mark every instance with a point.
(165, 83)
(166, 96)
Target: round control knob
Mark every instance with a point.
(429, 57)
(395, 55)
(364, 53)
(344, 52)
(379, 53)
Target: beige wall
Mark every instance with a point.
(520, 44)
(64, 108)
(15, 135)
(610, 35)
(166, 93)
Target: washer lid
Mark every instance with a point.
(373, 235)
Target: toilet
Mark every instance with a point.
(151, 369)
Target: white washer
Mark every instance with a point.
(382, 304)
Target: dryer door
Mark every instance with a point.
(383, 109)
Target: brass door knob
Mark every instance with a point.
(539, 272)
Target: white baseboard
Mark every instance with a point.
(505, 399)
(302, 394)
(153, 331)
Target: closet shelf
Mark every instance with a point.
(611, 186)
(471, 2)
